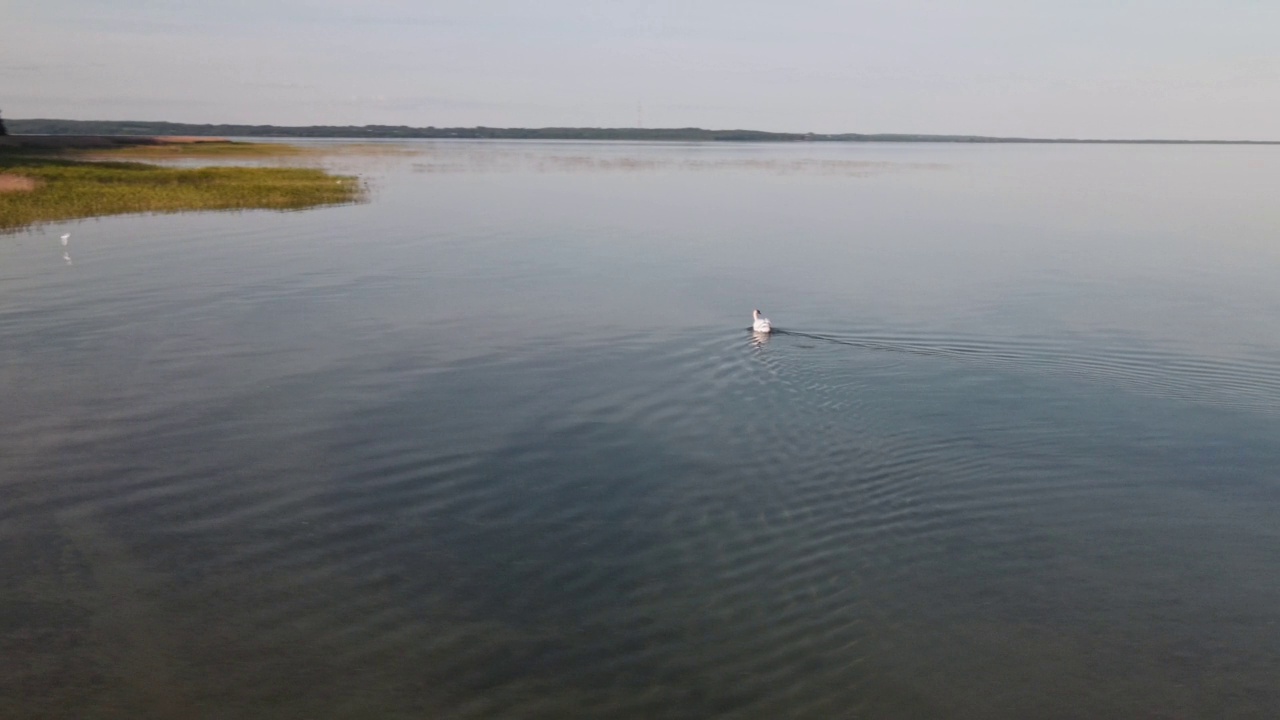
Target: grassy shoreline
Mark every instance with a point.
(50, 181)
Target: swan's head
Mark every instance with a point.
(755, 314)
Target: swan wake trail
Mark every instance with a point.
(1243, 382)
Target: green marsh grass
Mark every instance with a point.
(68, 189)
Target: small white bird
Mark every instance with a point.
(65, 238)
(761, 324)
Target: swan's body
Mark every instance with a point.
(65, 238)
(761, 324)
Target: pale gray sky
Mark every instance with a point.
(1062, 68)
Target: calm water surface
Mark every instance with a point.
(499, 444)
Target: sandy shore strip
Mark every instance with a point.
(16, 183)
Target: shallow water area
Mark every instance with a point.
(500, 442)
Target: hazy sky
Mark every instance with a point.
(1066, 68)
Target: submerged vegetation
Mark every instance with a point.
(44, 185)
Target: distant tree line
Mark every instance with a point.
(130, 127)
(113, 127)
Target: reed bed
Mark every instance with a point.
(65, 188)
(177, 149)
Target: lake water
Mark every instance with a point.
(500, 444)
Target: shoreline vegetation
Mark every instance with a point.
(53, 178)
(155, 128)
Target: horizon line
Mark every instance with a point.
(757, 135)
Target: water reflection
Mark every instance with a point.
(451, 159)
(425, 444)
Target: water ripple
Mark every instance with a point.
(1250, 382)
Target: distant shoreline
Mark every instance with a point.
(193, 132)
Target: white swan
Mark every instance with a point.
(761, 324)
(65, 238)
